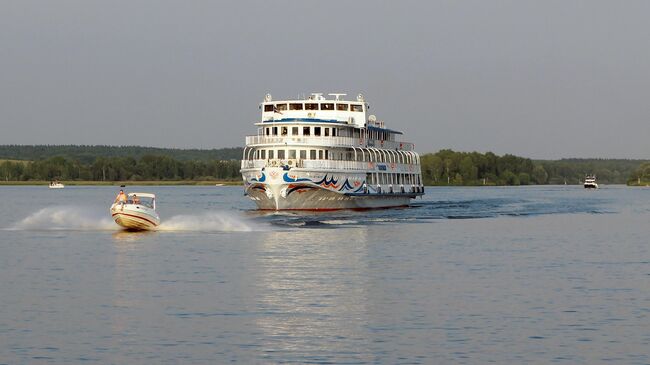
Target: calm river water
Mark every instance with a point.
(466, 276)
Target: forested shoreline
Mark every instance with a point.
(641, 176)
(147, 168)
(445, 167)
(89, 153)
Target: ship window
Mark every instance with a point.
(295, 106)
(305, 131)
(292, 154)
(271, 154)
(303, 154)
(268, 107)
(343, 107)
(327, 106)
(281, 154)
(275, 131)
(317, 131)
(268, 131)
(326, 132)
(326, 155)
(281, 106)
(294, 131)
(263, 154)
(333, 132)
(312, 154)
(284, 131)
(311, 106)
(356, 107)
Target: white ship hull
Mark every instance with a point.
(279, 189)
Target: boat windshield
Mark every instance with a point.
(146, 201)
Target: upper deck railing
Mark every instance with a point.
(253, 141)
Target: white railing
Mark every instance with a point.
(386, 167)
(328, 142)
(333, 165)
(255, 164)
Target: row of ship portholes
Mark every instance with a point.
(292, 154)
(301, 131)
(413, 189)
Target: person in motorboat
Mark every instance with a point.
(136, 200)
(121, 197)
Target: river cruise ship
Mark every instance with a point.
(319, 153)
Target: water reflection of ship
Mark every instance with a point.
(313, 292)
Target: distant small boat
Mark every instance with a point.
(590, 182)
(137, 213)
(219, 184)
(56, 185)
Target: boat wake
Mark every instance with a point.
(66, 218)
(208, 222)
(73, 218)
(428, 211)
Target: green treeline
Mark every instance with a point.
(447, 167)
(88, 154)
(607, 171)
(640, 176)
(149, 167)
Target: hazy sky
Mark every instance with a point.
(541, 79)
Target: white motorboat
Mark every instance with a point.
(590, 182)
(137, 213)
(325, 154)
(56, 185)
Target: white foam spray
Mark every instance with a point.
(208, 222)
(66, 218)
(88, 219)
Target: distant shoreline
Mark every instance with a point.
(127, 183)
(233, 183)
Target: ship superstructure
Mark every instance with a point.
(319, 153)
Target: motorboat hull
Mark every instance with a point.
(591, 186)
(135, 217)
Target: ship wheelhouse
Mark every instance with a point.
(318, 137)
